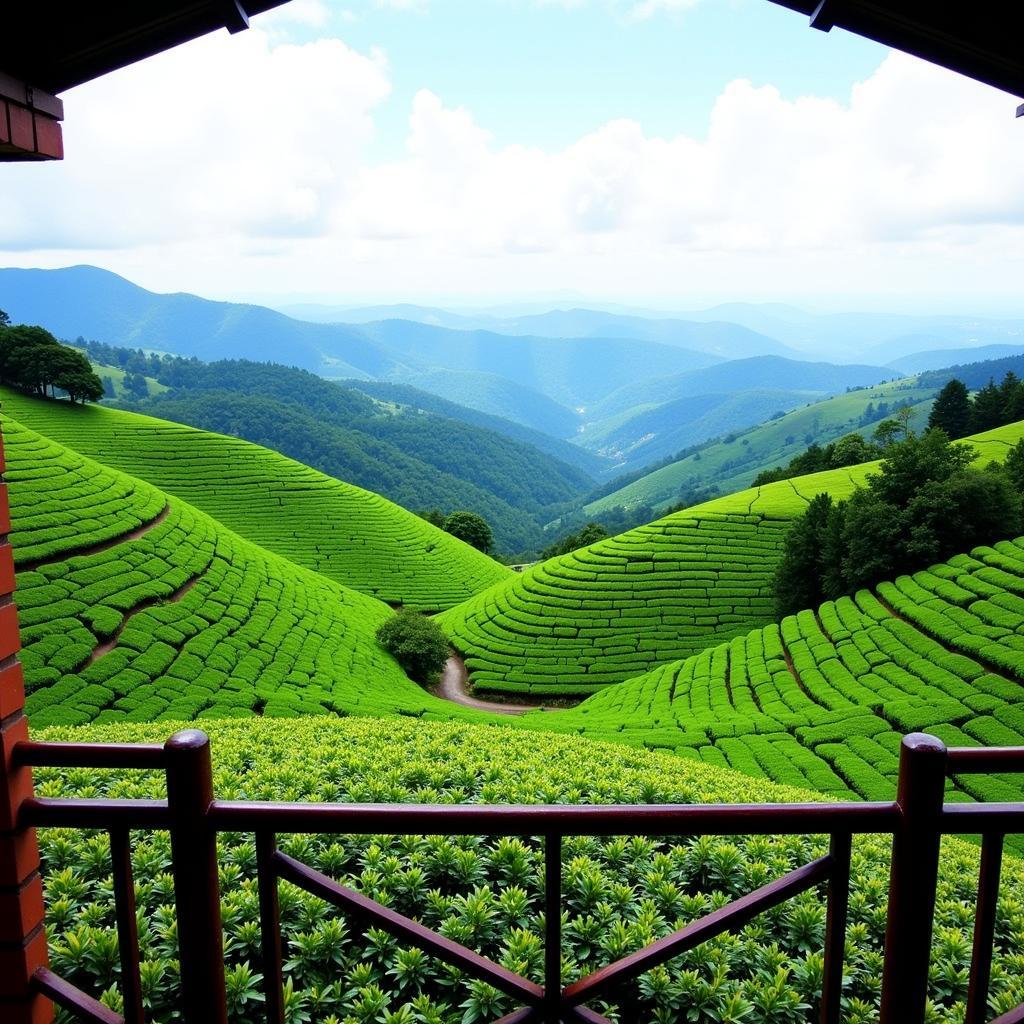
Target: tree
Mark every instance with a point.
(886, 433)
(435, 517)
(417, 643)
(851, 450)
(5, 320)
(909, 465)
(798, 579)
(987, 409)
(471, 528)
(135, 385)
(1014, 466)
(951, 410)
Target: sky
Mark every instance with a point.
(663, 153)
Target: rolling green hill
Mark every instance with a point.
(581, 621)
(823, 698)
(733, 463)
(136, 607)
(351, 536)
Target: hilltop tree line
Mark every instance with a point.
(33, 360)
(926, 504)
(959, 413)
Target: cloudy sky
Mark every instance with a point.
(668, 153)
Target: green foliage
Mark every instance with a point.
(951, 411)
(619, 893)
(31, 358)
(850, 450)
(591, 533)
(417, 643)
(471, 528)
(923, 505)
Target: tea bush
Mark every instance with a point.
(618, 893)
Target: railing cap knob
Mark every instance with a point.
(923, 743)
(188, 739)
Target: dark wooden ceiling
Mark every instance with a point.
(56, 46)
(983, 39)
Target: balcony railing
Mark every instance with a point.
(916, 819)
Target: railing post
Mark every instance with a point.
(984, 927)
(270, 926)
(196, 886)
(913, 879)
(835, 927)
(22, 938)
(552, 928)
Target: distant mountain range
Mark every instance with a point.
(629, 388)
(772, 328)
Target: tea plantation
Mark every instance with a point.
(619, 893)
(618, 608)
(822, 699)
(182, 618)
(349, 535)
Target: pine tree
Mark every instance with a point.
(951, 411)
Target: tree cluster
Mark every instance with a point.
(958, 413)
(417, 643)
(925, 505)
(847, 451)
(32, 359)
(591, 533)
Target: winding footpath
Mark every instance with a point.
(454, 686)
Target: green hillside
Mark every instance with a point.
(823, 698)
(731, 464)
(350, 535)
(654, 594)
(487, 892)
(148, 609)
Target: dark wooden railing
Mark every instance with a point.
(916, 819)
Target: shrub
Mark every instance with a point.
(418, 644)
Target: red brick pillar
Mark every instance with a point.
(22, 939)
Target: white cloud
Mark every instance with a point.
(244, 166)
(204, 140)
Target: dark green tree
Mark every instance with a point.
(1014, 466)
(471, 528)
(951, 410)
(908, 466)
(417, 643)
(987, 408)
(799, 577)
(956, 514)
(5, 320)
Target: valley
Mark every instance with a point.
(173, 569)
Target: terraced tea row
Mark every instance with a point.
(822, 699)
(182, 619)
(65, 502)
(352, 536)
(622, 606)
(604, 613)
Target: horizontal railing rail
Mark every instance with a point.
(916, 819)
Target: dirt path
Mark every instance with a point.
(454, 686)
(103, 545)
